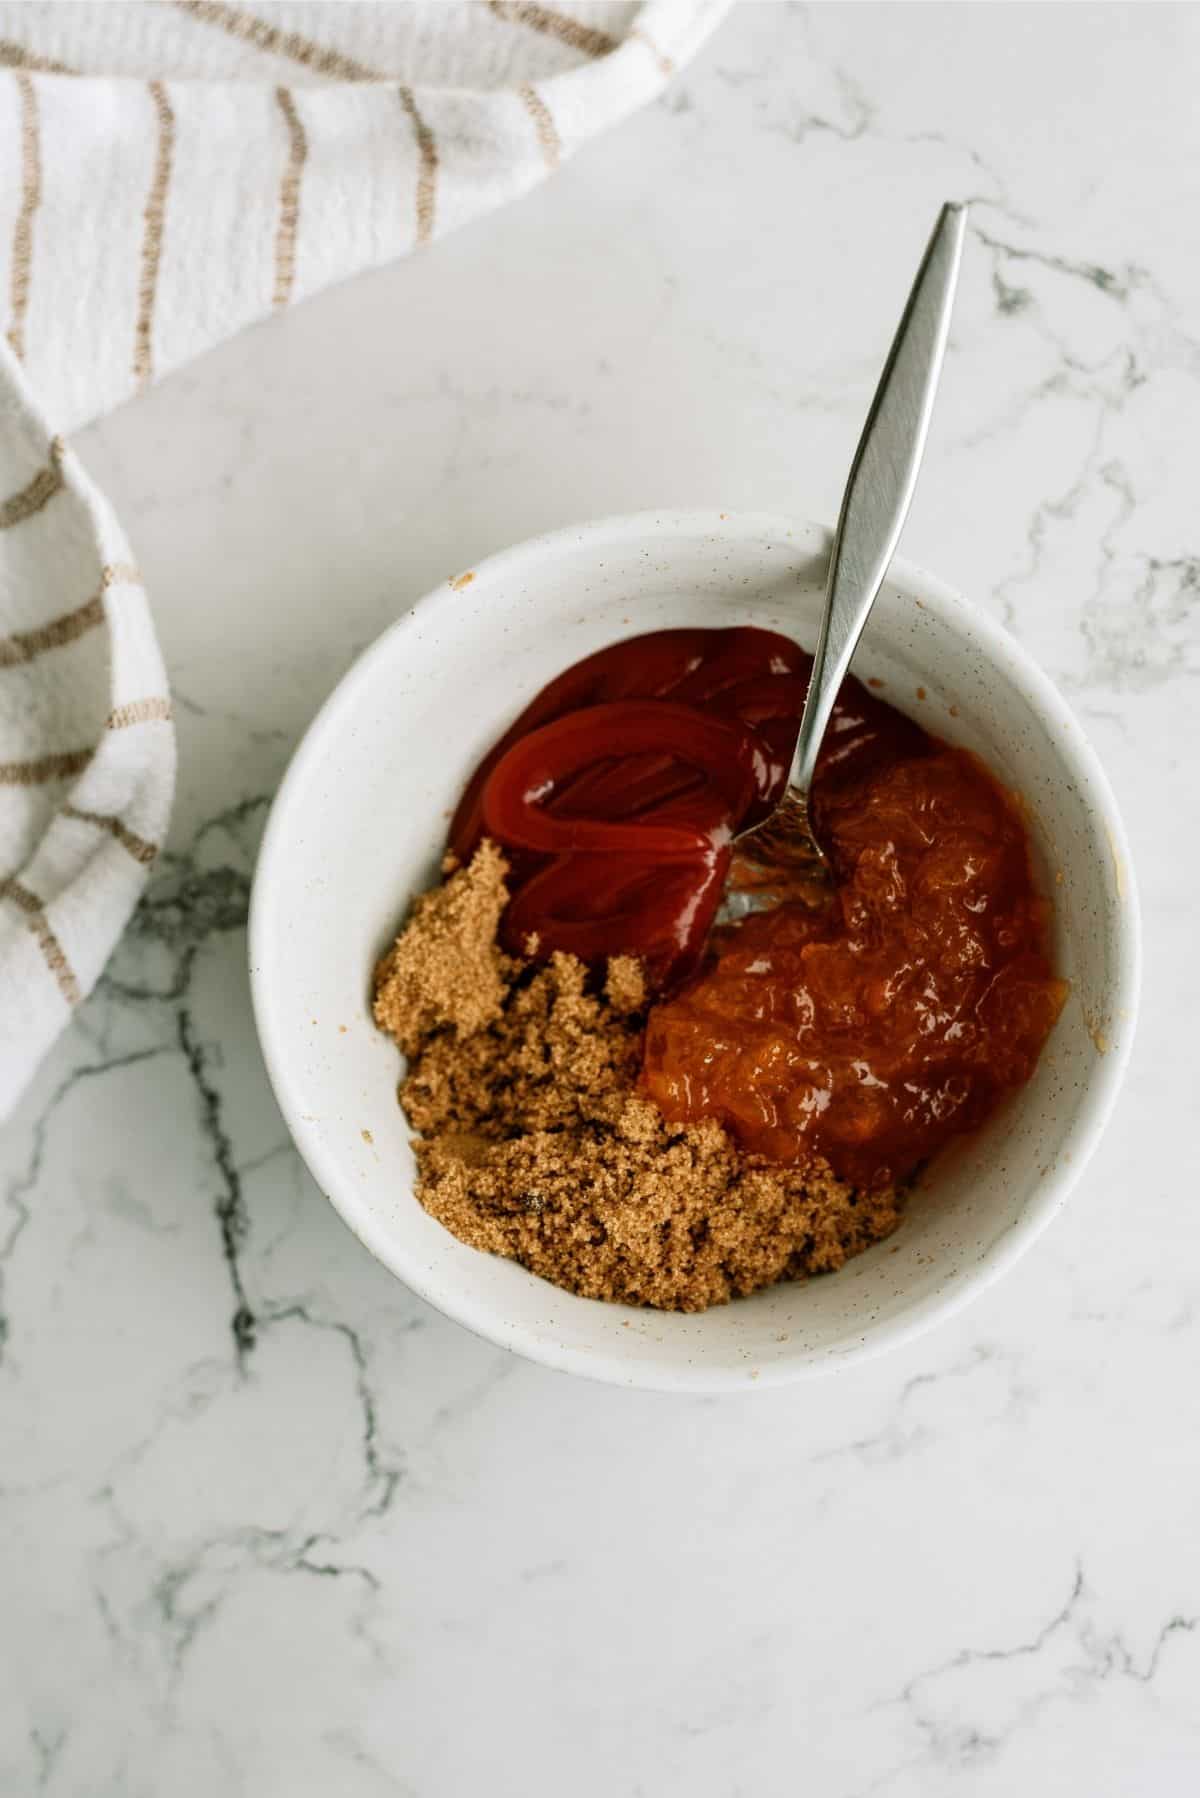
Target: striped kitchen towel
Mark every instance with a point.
(170, 172)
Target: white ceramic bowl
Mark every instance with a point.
(358, 826)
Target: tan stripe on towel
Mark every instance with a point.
(138, 711)
(44, 768)
(427, 179)
(23, 646)
(52, 950)
(263, 36)
(35, 493)
(152, 237)
(289, 198)
(585, 38)
(31, 199)
(547, 131)
(665, 64)
(138, 847)
(16, 56)
(119, 574)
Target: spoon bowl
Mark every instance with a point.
(358, 828)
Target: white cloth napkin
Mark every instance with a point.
(169, 173)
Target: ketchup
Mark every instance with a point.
(579, 761)
(867, 1031)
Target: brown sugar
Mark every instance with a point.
(536, 1144)
(444, 971)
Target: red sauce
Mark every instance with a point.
(868, 1031)
(708, 771)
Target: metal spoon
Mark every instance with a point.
(782, 853)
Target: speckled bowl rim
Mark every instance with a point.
(1079, 761)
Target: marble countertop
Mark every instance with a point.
(270, 1526)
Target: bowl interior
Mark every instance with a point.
(358, 827)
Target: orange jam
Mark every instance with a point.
(898, 1015)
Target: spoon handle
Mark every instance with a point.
(882, 479)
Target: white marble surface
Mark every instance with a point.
(268, 1525)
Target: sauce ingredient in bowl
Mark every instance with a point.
(896, 1016)
(723, 708)
(536, 1144)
